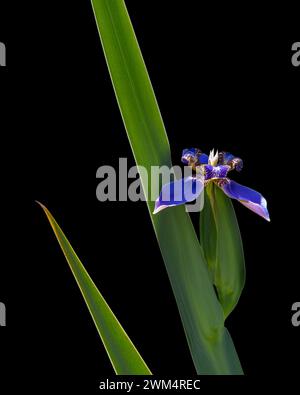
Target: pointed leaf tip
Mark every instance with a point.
(122, 353)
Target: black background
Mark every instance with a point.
(223, 79)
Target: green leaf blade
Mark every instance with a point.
(132, 86)
(123, 355)
(199, 308)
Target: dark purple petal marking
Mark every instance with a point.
(247, 196)
(194, 157)
(226, 158)
(179, 192)
(190, 156)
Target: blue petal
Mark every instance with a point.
(226, 158)
(190, 156)
(247, 196)
(178, 192)
(193, 157)
(203, 159)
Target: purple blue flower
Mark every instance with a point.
(213, 168)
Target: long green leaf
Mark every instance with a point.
(211, 347)
(222, 244)
(123, 355)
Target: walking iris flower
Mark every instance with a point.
(213, 168)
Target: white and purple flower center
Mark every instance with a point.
(213, 172)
